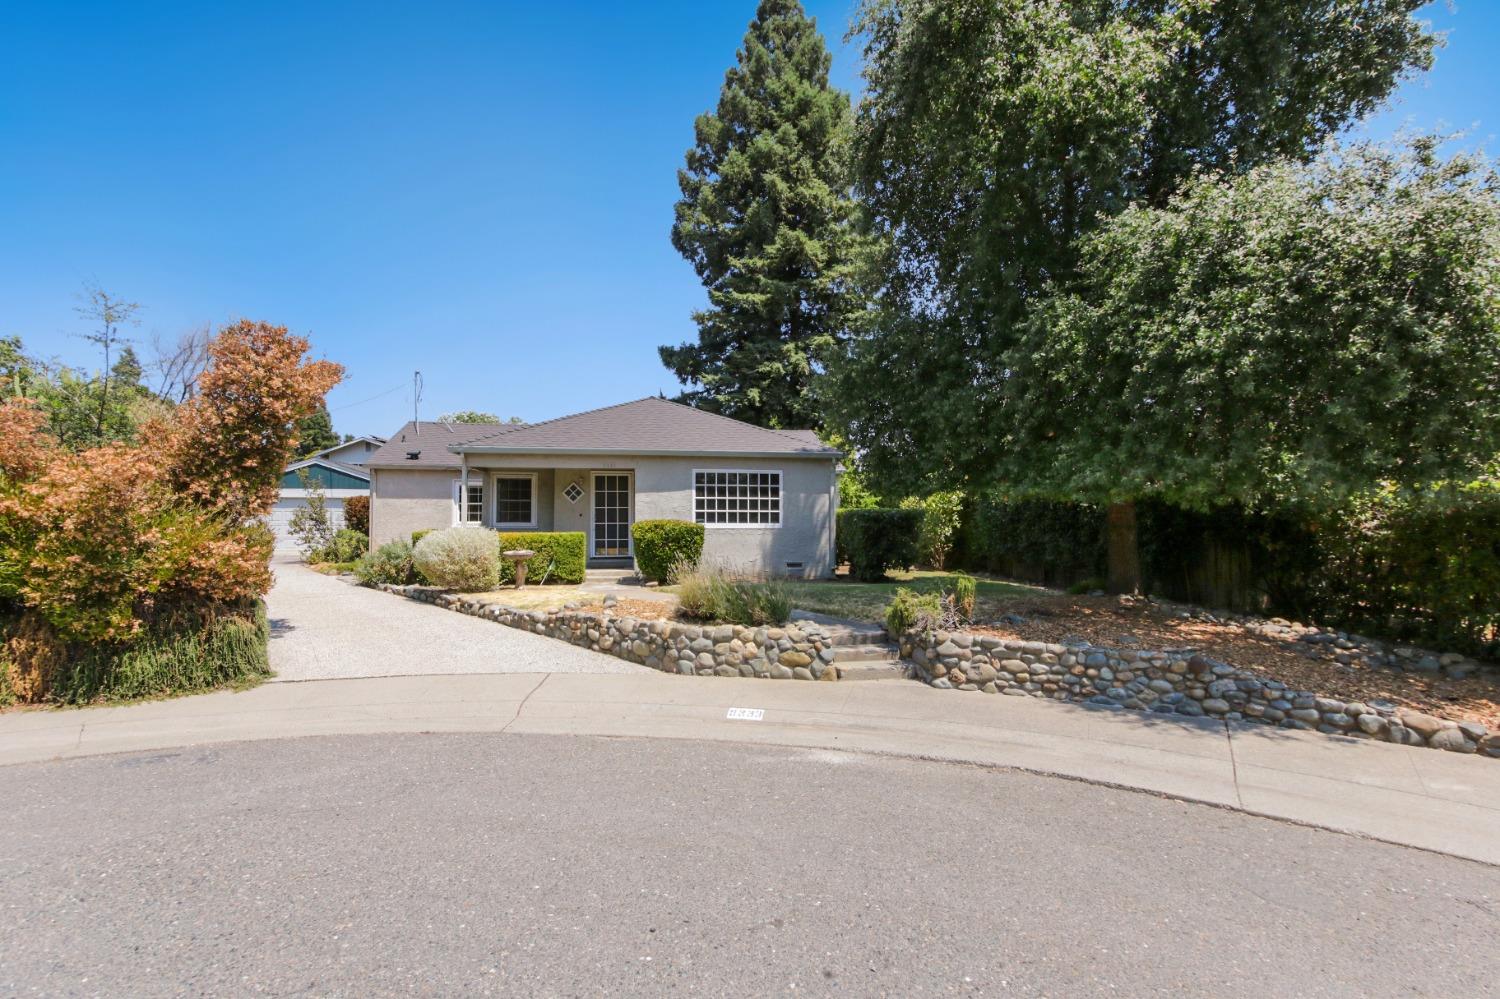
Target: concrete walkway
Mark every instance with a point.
(324, 627)
(1414, 797)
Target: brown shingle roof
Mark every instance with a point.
(646, 426)
(430, 439)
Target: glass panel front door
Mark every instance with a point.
(611, 515)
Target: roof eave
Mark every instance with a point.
(326, 463)
(645, 452)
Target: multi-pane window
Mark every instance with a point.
(737, 499)
(471, 510)
(513, 501)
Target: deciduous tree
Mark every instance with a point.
(996, 133)
(1290, 335)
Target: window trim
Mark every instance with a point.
(780, 499)
(495, 478)
(459, 504)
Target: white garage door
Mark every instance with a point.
(281, 519)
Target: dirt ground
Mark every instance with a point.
(1106, 621)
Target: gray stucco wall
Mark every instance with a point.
(403, 501)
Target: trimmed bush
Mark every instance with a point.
(565, 551)
(390, 563)
(466, 559)
(664, 547)
(912, 611)
(878, 540)
(417, 536)
(713, 594)
(357, 514)
(347, 546)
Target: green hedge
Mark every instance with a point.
(1421, 569)
(565, 551)
(661, 546)
(878, 540)
(1053, 543)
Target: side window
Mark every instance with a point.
(469, 509)
(729, 498)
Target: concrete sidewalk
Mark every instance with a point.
(1413, 797)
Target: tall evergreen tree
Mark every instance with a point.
(126, 373)
(315, 433)
(767, 221)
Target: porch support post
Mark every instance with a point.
(463, 489)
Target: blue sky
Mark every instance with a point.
(480, 191)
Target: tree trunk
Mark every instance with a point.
(1124, 555)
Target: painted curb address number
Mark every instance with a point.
(746, 714)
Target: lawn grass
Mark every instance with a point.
(866, 601)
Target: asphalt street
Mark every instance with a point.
(496, 864)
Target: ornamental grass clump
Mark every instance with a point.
(912, 611)
(965, 594)
(715, 593)
(466, 559)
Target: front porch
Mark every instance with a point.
(600, 503)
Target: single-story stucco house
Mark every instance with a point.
(340, 470)
(766, 498)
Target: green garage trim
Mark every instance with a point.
(328, 478)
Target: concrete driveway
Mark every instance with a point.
(325, 628)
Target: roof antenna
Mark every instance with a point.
(416, 400)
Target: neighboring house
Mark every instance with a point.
(340, 470)
(767, 498)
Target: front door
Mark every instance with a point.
(611, 515)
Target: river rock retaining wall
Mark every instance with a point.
(1171, 681)
(794, 652)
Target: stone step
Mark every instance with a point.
(841, 632)
(864, 651)
(870, 669)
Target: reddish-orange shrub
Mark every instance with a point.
(357, 514)
(227, 447)
(97, 543)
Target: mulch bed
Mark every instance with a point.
(1106, 621)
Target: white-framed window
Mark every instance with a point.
(731, 497)
(469, 509)
(515, 499)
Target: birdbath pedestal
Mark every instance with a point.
(520, 557)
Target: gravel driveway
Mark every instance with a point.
(324, 628)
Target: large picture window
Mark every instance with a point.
(727, 498)
(514, 501)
